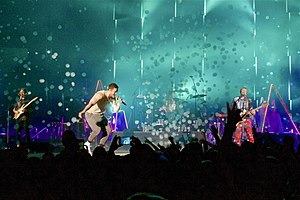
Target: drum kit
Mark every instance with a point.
(173, 104)
(217, 121)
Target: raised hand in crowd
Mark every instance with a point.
(115, 144)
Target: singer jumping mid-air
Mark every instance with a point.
(94, 113)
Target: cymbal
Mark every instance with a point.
(180, 90)
(199, 95)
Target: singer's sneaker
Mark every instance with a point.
(88, 146)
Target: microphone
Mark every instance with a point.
(121, 101)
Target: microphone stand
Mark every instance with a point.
(195, 89)
(7, 128)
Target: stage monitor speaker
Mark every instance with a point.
(40, 147)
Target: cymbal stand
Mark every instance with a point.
(196, 92)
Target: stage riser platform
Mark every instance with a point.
(40, 145)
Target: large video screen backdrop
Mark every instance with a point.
(177, 62)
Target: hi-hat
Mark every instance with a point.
(199, 95)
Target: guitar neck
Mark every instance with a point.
(32, 100)
(255, 109)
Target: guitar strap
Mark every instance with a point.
(20, 103)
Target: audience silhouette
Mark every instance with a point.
(197, 170)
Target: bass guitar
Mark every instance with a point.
(22, 108)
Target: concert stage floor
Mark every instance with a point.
(39, 147)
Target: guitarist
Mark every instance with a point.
(22, 122)
(244, 128)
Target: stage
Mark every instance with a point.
(41, 145)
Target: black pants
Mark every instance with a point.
(23, 123)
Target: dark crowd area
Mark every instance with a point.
(197, 170)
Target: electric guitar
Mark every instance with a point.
(21, 109)
(243, 115)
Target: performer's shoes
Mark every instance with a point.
(88, 145)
